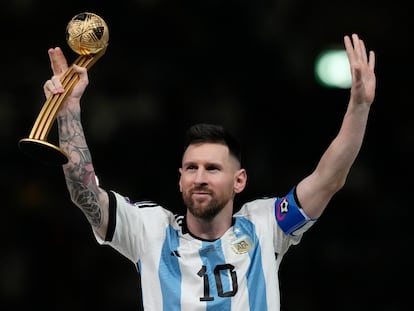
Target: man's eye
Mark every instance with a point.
(212, 168)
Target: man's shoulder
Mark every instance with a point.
(258, 205)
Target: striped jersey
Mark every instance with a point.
(180, 272)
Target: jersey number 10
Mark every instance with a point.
(219, 284)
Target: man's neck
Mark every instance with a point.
(212, 229)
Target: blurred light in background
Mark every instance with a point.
(332, 69)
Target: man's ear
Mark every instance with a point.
(240, 180)
(180, 170)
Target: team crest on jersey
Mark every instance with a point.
(242, 244)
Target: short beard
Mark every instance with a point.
(207, 213)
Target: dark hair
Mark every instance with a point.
(212, 133)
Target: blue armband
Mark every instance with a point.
(290, 216)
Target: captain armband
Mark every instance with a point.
(290, 216)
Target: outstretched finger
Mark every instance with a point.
(358, 47)
(363, 51)
(349, 49)
(57, 61)
(371, 62)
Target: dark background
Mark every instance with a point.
(246, 64)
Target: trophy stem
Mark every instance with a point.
(36, 144)
(46, 116)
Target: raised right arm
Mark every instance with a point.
(79, 173)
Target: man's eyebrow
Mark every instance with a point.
(206, 163)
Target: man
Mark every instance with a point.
(211, 258)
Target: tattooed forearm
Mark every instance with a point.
(79, 172)
(86, 197)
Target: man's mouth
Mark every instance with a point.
(200, 194)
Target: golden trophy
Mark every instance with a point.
(87, 34)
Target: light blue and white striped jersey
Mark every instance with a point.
(178, 271)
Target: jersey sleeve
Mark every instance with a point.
(262, 213)
(278, 218)
(133, 224)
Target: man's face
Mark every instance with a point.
(210, 177)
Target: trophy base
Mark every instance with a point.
(43, 151)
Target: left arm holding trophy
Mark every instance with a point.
(86, 34)
(79, 172)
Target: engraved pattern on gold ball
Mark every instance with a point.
(87, 33)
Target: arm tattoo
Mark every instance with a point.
(79, 172)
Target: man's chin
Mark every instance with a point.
(204, 211)
(198, 208)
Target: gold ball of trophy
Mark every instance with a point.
(87, 34)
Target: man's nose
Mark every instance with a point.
(200, 177)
